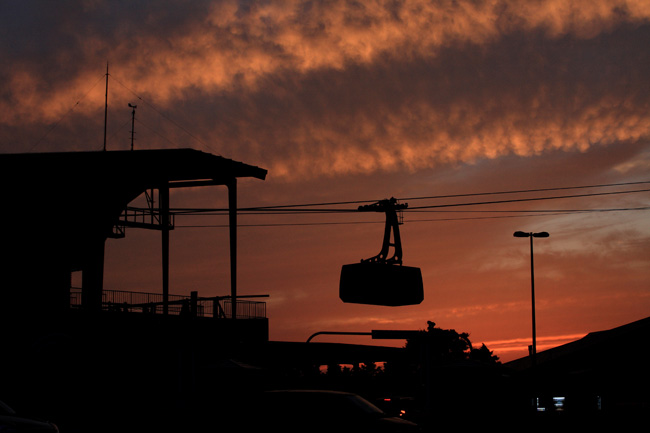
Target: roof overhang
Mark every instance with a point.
(73, 195)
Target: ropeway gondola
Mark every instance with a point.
(381, 280)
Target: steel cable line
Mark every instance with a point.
(283, 209)
(280, 224)
(66, 114)
(531, 210)
(269, 208)
(530, 199)
(541, 213)
(526, 190)
(427, 209)
(513, 211)
(535, 214)
(156, 132)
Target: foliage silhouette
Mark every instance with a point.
(444, 346)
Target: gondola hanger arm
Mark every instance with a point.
(390, 208)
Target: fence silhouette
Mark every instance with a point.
(218, 307)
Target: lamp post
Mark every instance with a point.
(520, 234)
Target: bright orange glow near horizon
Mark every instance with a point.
(360, 101)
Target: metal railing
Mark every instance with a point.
(153, 303)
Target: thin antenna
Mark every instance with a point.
(106, 107)
(132, 122)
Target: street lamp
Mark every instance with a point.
(520, 234)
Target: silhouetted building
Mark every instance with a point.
(604, 374)
(58, 211)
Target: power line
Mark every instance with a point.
(163, 115)
(312, 204)
(537, 213)
(528, 213)
(440, 208)
(523, 191)
(513, 211)
(482, 211)
(533, 210)
(541, 213)
(531, 199)
(283, 209)
(280, 224)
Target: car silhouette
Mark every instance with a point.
(298, 410)
(10, 421)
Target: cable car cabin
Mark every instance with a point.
(381, 284)
(381, 280)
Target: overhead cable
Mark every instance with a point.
(283, 209)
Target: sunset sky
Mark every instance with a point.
(436, 103)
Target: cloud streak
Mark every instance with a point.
(415, 84)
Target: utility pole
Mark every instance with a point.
(520, 234)
(106, 106)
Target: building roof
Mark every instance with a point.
(113, 167)
(606, 349)
(57, 201)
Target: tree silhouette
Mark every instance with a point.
(445, 346)
(484, 355)
(447, 374)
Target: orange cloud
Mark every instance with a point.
(343, 88)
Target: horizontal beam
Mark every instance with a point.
(150, 226)
(193, 183)
(376, 334)
(336, 333)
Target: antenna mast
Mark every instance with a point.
(106, 106)
(132, 122)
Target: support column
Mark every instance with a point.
(92, 277)
(232, 221)
(163, 193)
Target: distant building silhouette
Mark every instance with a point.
(604, 372)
